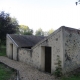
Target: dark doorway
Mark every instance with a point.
(48, 59)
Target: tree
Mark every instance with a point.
(50, 31)
(78, 2)
(8, 25)
(47, 33)
(39, 32)
(25, 30)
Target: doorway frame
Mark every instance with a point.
(43, 58)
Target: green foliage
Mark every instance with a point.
(8, 25)
(3, 51)
(58, 71)
(73, 75)
(5, 72)
(50, 31)
(71, 78)
(25, 30)
(39, 32)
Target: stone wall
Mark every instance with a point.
(36, 55)
(31, 57)
(55, 41)
(25, 55)
(71, 47)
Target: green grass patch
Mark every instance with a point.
(3, 51)
(5, 72)
(71, 76)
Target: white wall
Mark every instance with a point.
(9, 50)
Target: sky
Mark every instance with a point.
(44, 14)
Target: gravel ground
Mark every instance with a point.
(26, 72)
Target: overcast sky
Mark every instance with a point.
(45, 14)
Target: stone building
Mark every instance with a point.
(41, 52)
(14, 42)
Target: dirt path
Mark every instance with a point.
(26, 72)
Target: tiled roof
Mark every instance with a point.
(26, 40)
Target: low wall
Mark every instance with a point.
(25, 55)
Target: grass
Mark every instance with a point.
(5, 72)
(73, 75)
(71, 78)
(3, 51)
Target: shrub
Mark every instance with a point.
(58, 71)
